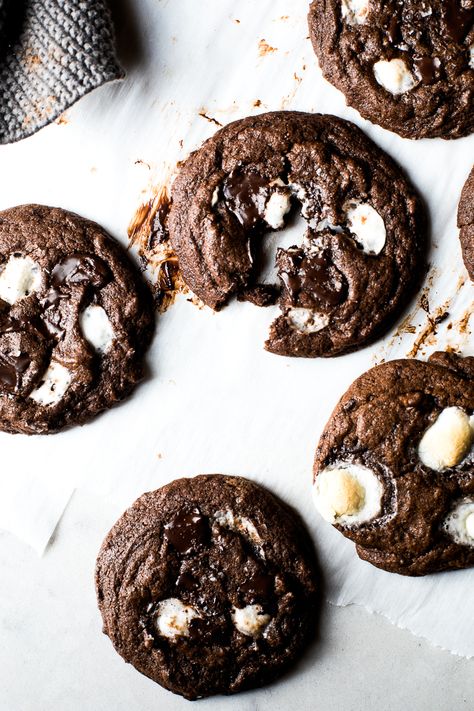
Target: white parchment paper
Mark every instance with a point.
(214, 400)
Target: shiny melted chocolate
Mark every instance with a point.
(245, 195)
(43, 324)
(83, 270)
(258, 587)
(159, 226)
(188, 530)
(427, 69)
(80, 269)
(315, 275)
(199, 582)
(11, 370)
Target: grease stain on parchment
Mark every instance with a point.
(264, 48)
(148, 233)
(439, 327)
(211, 119)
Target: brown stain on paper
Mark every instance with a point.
(148, 232)
(264, 48)
(427, 331)
(211, 119)
(427, 335)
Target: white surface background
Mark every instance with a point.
(214, 400)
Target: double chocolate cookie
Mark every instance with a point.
(466, 223)
(361, 258)
(75, 320)
(408, 66)
(208, 586)
(394, 469)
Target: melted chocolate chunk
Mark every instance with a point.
(458, 20)
(51, 318)
(11, 369)
(80, 269)
(316, 275)
(393, 30)
(188, 531)
(322, 278)
(245, 195)
(427, 69)
(186, 581)
(258, 586)
(159, 227)
(167, 275)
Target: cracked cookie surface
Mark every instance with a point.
(394, 468)
(408, 66)
(359, 261)
(208, 586)
(75, 320)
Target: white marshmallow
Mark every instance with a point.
(96, 328)
(278, 205)
(394, 76)
(367, 225)
(250, 620)
(242, 525)
(19, 278)
(471, 56)
(55, 382)
(306, 320)
(448, 441)
(215, 197)
(354, 12)
(348, 494)
(300, 193)
(173, 618)
(459, 524)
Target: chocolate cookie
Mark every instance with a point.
(407, 66)
(466, 223)
(363, 253)
(394, 468)
(207, 586)
(75, 320)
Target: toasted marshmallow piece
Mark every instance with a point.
(278, 205)
(173, 618)
(367, 225)
(55, 382)
(448, 441)
(250, 620)
(348, 494)
(96, 328)
(394, 76)
(306, 320)
(19, 278)
(459, 524)
(354, 12)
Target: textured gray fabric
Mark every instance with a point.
(52, 52)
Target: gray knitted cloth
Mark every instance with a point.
(52, 52)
